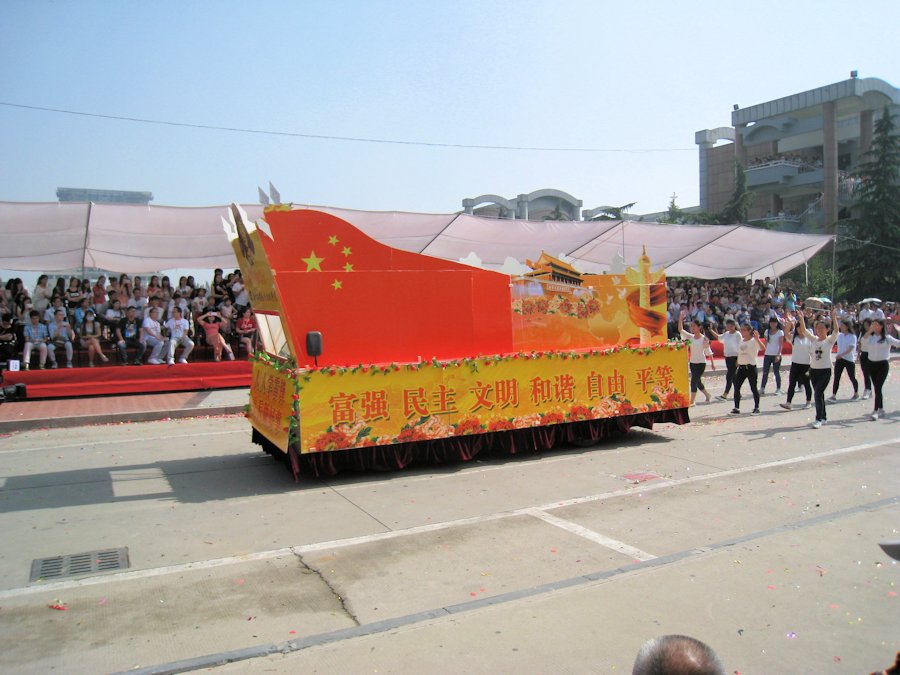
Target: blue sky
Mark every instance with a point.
(636, 76)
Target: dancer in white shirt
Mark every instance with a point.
(772, 357)
(799, 373)
(731, 340)
(746, 367)
(880, 344)
(820, 362)
(697, 361)
(863, 348)
(846, 360)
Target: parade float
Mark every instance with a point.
(373, 357)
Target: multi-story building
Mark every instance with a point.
(799, 152)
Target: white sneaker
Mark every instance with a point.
(855, 397)
(786, 406)
(831, 398)
(866, 394)
(808, 404)
(817, 424)
(170, 362)
(874, 416)
(231, 358)
(154, 362)
(778, 392)
(182, 360)
(881, 412)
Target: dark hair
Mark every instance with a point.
(677, 654)
(881, 337)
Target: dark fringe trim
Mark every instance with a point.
(465, 448)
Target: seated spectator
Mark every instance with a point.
(73, 295)
(155, 302)
(226, 312)
(179, 330)
(138, 301)
(8, 338)
(153, 336)
(61, 336)
(128, 335)
(178, 300)
(89, 333)
(239, 291)
(246, 330)
(677, 655)
(165, 290)
(198, 303)
(80, 311)
(36, 335)
(211, 323)
(55, 305)
(98, 296)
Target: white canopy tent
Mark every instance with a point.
(128, 238)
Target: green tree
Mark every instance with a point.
(867, 253)
(738, 205)
(614, 212)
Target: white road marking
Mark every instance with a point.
(393, 534)
(591, 535)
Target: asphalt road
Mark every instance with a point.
(755, 534)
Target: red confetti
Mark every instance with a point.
(473, 593)
(837, 659)
(893, 594)
(61, 608)
(639, 477)
(292, 632)
(771, 588)
(239, 582)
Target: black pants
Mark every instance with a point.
(730, 369)
(746, 373)
(840, 365)
(879, 371)
(771, 362)
(864, 367)
(696, 375)
(799, 373)
(820, 377)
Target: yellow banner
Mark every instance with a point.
(271, 403)
(255, 269)
(364, 406)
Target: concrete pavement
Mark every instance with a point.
(756, 534)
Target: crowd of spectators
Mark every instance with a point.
(713, 302)
(126, 317)
(798, 159)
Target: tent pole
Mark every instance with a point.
(87, 227)
(833, 258)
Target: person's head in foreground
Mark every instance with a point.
(677, 655)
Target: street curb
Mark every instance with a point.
(116, 418)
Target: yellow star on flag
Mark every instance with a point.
(337, 285)
(348, 267)
(346, 251)
(333, 240)
(313, 262)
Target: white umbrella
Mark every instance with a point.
(875, 300)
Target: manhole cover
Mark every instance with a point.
(77, 564)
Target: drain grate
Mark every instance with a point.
(92, 562)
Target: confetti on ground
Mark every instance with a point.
(792, 635)
(639, 477)
(770, 587)
(837, 659)
(60, 608)
(892, 594)
(292, 632)
(102, 602)
(239, 582)
(821, 571)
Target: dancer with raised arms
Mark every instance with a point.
(746, 367)
(820, 361)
